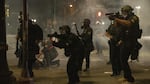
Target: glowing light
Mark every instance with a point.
(138, 7)
(97, 22)
(103, 23)
(34, 20)
(99, 13)
(70, 5)
(100, 22)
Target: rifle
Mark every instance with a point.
(114, 15)
(76, 29)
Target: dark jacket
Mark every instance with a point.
(72, 45)
(131, 33)
(115, 32)
(86, 36)
(35, 34)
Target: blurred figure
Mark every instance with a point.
(99, 41)
(19, 39)
(50, 53)
(86, 37)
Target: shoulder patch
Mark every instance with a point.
(134, 19)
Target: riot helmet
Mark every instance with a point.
(66, 28)
(127, 8)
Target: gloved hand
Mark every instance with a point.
(111, 17)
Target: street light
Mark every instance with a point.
(99, 14)
(70, 5)
(71, 8)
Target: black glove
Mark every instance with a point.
(111, 17)
(67, 52)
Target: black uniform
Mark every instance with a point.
(74, 49)
(114, 49)
(129, 40)
(35, 34)
(86, 36)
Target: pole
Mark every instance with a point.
(25, 78)
(6, 76)
(25, 40)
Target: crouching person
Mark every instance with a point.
(50, 54)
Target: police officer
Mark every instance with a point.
(73, 48)
(129, 26)
(86, 37)
(113, 33)
(35, 35)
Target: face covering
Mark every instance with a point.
(124, 14)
